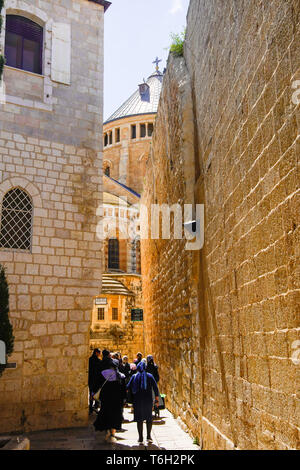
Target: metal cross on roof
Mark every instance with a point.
(157, 61)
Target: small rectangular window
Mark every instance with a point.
(150, 130)
(133, 131)
(101, 314)
(110, 138)
(117, 135)
(105, 140)
(143, 130)
(115, 314)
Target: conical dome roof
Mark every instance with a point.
(112, 286)
(143, 101)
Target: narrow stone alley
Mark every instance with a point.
(167, 435)
(161, 216)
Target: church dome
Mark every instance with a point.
(143, 101)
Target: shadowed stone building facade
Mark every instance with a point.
(225, 320)
(50, 190)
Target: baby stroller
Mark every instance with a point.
(159, 406)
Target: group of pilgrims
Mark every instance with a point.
(114, 383)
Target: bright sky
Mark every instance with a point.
(136, 31)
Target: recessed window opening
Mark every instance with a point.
(115, 314)
(143, 130)
(133, 131)
(113, 254)
(101, 314)
(24, 44)
(150, 129)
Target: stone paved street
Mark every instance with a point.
(166, 434)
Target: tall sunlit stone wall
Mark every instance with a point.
(223, 321)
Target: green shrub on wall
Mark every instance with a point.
(177, 44)
(6, 330)
(2, 60)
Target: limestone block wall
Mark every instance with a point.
(225, 320)
(129, 345)
(169, 288)
(51, 147)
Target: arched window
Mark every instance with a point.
(107, 171)
(24, 44)
(16, 220)
(113, 254)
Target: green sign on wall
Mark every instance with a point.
(137, 314)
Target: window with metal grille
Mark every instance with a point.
(113, 254)
(137, 314)
(23, 44)
(16, 220)
(107, 171)
(115, 314)
(101, 314)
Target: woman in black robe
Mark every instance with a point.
(141, 385)
(112, 395)
(94, 377)
(152, 368)
(125, 368)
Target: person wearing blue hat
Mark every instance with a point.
(141, 385)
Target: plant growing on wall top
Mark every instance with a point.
(6, 331)
(177, 43)
(2, 60)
